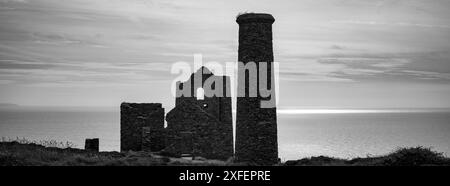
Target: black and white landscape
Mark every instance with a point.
(354, 78)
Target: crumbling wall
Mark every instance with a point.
(201, 127)
(133, 118)
(195, 132)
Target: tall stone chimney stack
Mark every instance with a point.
(256, 127)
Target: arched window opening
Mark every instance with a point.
(200, 94)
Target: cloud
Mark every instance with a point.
(14, 64)
(363, 67)
(118, 43)
(64, 39)
(337, 47)
(427, 75)
(377, 62)
(406, 24)
(5, 82)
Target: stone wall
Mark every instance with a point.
(201, 127)
(192, 131)
(133, 118)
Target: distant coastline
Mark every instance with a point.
(9, 105)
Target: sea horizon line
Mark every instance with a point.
(285, 110)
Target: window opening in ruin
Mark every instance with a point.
(200, 94)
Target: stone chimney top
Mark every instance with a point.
(255, 18)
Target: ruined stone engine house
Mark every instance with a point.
(201, 124)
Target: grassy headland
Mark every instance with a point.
(24, 153)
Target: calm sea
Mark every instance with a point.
(338, 134)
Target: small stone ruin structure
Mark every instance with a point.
(91, 144)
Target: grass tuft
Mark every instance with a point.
(45, 143)
(413, 156)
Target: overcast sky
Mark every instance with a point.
(332, 54)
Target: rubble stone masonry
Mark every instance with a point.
(256, 127)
